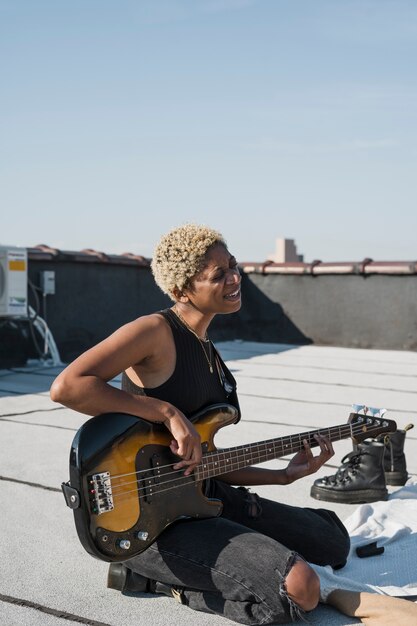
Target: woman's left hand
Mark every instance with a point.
(305, 463)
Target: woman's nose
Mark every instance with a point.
(233, 276)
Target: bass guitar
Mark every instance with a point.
(124, 491)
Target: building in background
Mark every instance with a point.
(286, 252)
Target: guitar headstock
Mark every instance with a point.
(368, 422)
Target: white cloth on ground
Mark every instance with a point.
(393, 525)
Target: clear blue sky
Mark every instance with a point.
(262, 118)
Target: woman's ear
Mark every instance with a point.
(180, 296)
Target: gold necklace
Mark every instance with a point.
(200, 340)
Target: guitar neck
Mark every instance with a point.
(229, 459)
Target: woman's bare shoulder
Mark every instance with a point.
(145, 324)
(138, 341)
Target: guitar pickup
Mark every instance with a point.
(100, 493)
(150, 479)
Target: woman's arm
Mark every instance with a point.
(251, 476)
(84, 384)
(302, 464)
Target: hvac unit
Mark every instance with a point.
(13, 281)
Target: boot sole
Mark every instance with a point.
(349, 497)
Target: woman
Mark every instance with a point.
(249, 564)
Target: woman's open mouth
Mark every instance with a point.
(235, 295)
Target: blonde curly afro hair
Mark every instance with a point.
(179, 255)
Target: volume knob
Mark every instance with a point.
(124, 544)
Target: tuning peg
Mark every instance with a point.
(358, 407)
(377, 412)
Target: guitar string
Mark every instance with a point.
(287, 440)
(156, 488)
(156, 491)
(209, 464)
(271, 443)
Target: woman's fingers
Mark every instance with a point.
(325, 445)
(186, 443)
(189, 464)
(190, 454)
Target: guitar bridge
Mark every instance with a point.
(100, 493)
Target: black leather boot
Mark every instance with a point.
(124, 579)
(395, 466)
(127, 581)
(360, 478)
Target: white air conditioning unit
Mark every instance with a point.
(13, 281)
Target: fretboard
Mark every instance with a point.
(229, 459)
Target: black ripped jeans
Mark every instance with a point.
(235, 565)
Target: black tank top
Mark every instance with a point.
(192, 386)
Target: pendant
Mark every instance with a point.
(211, 368)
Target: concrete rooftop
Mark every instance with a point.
(45, 574)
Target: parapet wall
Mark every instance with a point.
(352, 309)
(366, 305)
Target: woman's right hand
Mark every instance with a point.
(186, 443)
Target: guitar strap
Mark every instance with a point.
(227, 381)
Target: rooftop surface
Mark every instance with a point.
(46, 577)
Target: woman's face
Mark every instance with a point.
(216, 288)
